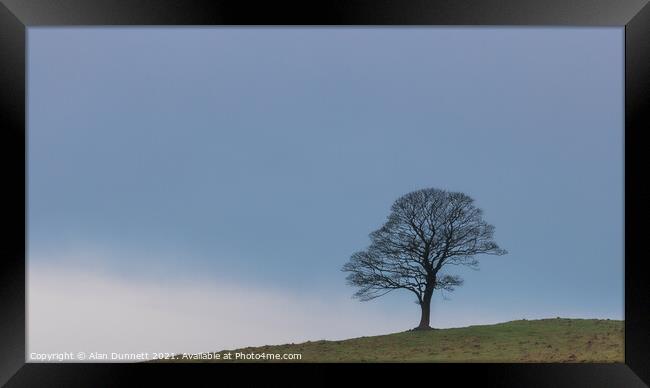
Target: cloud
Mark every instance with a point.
(80, 305)
(82, 310)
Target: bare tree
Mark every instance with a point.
(426, 232)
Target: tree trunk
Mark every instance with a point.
(425, 305)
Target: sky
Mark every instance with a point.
(199, 189)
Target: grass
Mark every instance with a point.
(544, 340)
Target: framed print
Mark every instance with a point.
(287, 191)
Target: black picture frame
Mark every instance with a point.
(18, 15)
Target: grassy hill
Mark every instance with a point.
(545, 340)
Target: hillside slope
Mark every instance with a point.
(545, 340)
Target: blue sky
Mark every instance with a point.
(264, 156)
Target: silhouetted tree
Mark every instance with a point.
(426, 232)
